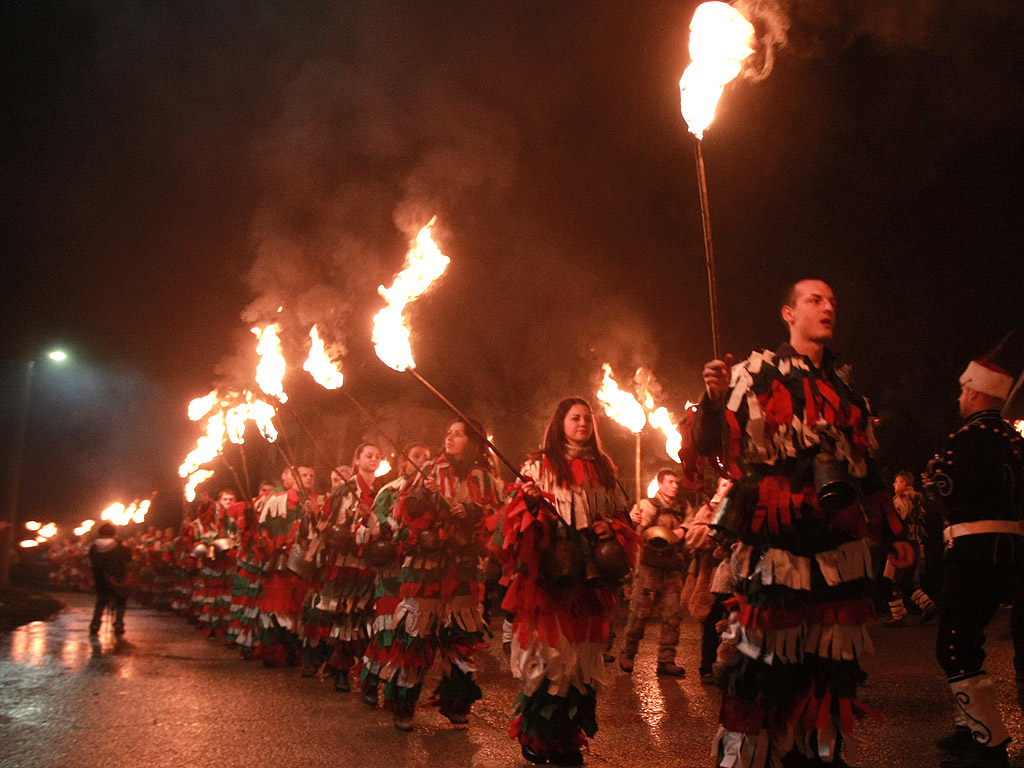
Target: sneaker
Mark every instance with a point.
(670, 669)
(403, 723)
(370, 698)
(626, 664)
(928, 614)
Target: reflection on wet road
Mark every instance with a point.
(164, 696)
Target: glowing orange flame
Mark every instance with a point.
(85, 527)
(1019, 425)
(320, 365)
(424, 264)
(383, 469)
(652, 489)
(48, 531)
(119, 514)
(621, 406)
(28, 543)
(33, 525)
(262, 414)
(720, 39)
(271, 368)
(140, 512)
(663, 420)
(201, 406)
(114, 513)
(208, 445)
(197, 477)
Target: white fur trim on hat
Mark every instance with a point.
(982, 376)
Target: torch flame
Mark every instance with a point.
(652, 489)
(140, 512)
(662, 419)
(85, 527)
(33, 525)
(28, 543)
(271, 368)
(621, 406)
(383, 469)
(720, 39)
(208, 445)
(1019, 426)
(425, 263)
(194, 480)
(320, 365)
(201, 406)
(48, 531)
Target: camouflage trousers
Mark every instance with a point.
(655, 591)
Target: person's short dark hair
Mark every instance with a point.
(107, 531)
(908, 477)
(663, 473)
(789, 294)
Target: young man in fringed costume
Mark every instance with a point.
(809, 503)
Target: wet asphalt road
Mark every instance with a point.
(164, 696)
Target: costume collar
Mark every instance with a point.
(828, 358)
(581, 452)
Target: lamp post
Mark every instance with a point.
(14, 484)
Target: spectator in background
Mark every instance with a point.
(109, 559)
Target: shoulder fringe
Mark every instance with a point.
(783, 568)
(740, 750)
(559, 668)
(849, 562)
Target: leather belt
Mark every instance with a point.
(951, 532)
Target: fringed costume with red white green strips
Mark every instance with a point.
(247, 584)
(283, 590)
(338, 610)
(183, 564)
(211, 590)
(800, 620)
(559, 632)
(437, 593)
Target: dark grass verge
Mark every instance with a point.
(21, 605)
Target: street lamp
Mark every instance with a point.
(13, 487)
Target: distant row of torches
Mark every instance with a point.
(117, 513)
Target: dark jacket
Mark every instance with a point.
(109, 559)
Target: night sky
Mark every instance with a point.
(175, 171)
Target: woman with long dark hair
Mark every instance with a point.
(441, 526)
(551, 538)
